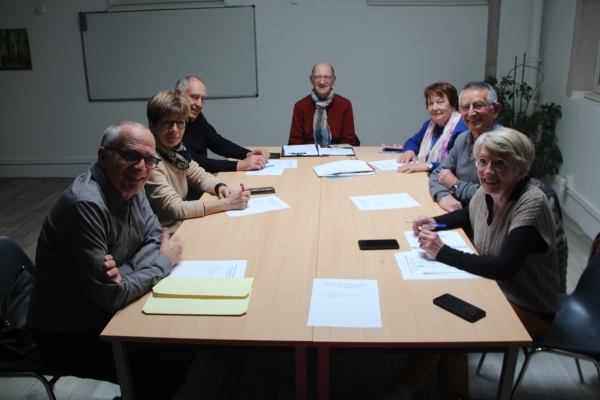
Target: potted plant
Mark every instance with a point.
(540, 124)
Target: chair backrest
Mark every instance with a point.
(562, 249)
(589, 284)
(12, 259)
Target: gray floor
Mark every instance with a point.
(259, 374)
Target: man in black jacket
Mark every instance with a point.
(199, 135)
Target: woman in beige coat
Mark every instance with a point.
(168, 185)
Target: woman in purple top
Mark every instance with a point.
(427, 148)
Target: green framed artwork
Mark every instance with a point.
(14, 49)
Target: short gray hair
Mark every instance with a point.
(183, 82)
(492, 97)
(112, 135)
(330, 66)
(510, 143)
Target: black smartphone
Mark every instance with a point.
(378, 244)
(274, 155)
(459, 307)
(262, 190)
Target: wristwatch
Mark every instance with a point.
(453, 189)
(430, 166)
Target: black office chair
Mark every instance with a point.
(575, 331)
(13, 259)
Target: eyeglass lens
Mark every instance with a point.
(167, 123)
(327, 78)
(497, 165)
(477, 106)
(132, 157)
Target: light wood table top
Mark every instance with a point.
(409, 317)
(281, 249)
(317, 237)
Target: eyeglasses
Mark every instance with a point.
(318, 78)
(477, 106)
(498, 165)
(167, 123)
(133, 157)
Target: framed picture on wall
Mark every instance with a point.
(14, 49)
(597, 75)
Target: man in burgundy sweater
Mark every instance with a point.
(323, 117)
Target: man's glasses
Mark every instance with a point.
(498, 165)
(133, 157)
(167, 123)
(477, 106)
(327, 78)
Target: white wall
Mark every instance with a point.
(384, 57)
(578, 130)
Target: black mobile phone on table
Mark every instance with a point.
(378, 244)
(459, 307)
(262, 190)
(274, 155)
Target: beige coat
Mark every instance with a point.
(167, 190)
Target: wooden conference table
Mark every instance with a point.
(317, 238)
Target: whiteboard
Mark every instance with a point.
(132, 55)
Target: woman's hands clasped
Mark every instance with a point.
(429, 241)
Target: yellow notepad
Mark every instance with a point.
(182, 296)
(204, 287)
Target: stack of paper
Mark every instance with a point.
(317, 150)
(299, 150)
(199, 296)
(336, 150)
(386, 165)
(344, 168)
(417, 264)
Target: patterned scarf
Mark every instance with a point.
(320, 128)
(176, 155)
(440, 150)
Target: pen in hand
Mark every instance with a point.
(242, 186)
(433, 224)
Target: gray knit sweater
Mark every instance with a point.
(535, 286)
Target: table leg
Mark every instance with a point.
(301, 391)
(323, 372)
(123, 370)
(509, 365)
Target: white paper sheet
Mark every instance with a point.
(270, 169)
(385, 165)
(335, 151)
(345, 303)
(428, 266)
(259, 205)
(343, 168)
(300, 150)
(384, 201)
(411, 269)
(284, 163)
(210, 269)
